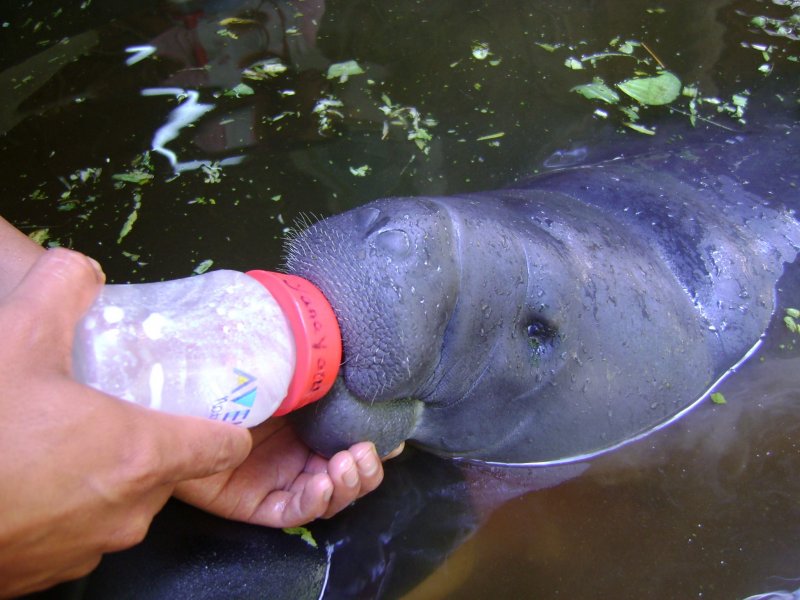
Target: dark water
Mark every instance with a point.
(708, 508)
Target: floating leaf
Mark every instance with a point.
(128, 225)
(491, 136)
(304, 534)
(137, 177)
(549, 47)
(238, 21)
(361, 171)
(480, 50)
(597, 90)
(658, 90)
(240, 90)
(793, 312)
(343, 70)
(640, 128)
(203, 267)
(791, 324)
(718, 398)
(271, 67)
(40, 235)
(573, 63)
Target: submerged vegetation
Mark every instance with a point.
(472, 110)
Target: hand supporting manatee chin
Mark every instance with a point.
(83, 473)
(282, 483)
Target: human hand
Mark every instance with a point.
(81, 473)
(283, 483)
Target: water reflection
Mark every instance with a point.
(706, 509)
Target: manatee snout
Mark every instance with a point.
(390, 273)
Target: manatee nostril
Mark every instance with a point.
(393, 241)
(365, 217)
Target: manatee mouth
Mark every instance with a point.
(390, 271)
(340, 420)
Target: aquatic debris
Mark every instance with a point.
(40, 236)
(134, 214)
(135, 177)
(326, 108)
(491, 136)
(409, 119)
(548, 47)
(790, 320)
(203, 267)
(480, 50)
(718, 398)
(304, 534)
(344, 70)
(239, 90)
(654, 91)
(597, 90)
(361, 171)
(265, 69)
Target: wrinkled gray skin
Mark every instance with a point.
(559, 319)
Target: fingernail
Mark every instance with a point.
(327, 494)
(350, 476)
(101, 276)
(368, 465)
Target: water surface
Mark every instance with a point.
(456, 96)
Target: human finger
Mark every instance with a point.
(56, 291)
(182, 448)
(354, 472)
(308, 499)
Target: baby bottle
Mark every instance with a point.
(225, 345)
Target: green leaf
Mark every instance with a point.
(718, 398)
(240, 90)
(40, 235)
(791, 324)
(597, 90)
(491, 136)
(654, 91)
(343, 70)
(304, 534)
(548, 47)
(640, 128)
(480, 50)
(361, 171)
(793, 312)
(203, 267)
(137, 177)
(134, 214)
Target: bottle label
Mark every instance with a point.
(234, 407)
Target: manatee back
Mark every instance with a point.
(663, 279)
(721, 216)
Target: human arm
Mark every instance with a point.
(19, 252)
(83, 473)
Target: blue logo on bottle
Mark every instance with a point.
(244, 394)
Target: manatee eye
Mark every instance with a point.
(540, 337)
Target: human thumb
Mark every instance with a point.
(195, 447)
(55, 293)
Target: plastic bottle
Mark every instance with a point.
(236, 347)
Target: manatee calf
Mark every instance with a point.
(559, 318)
